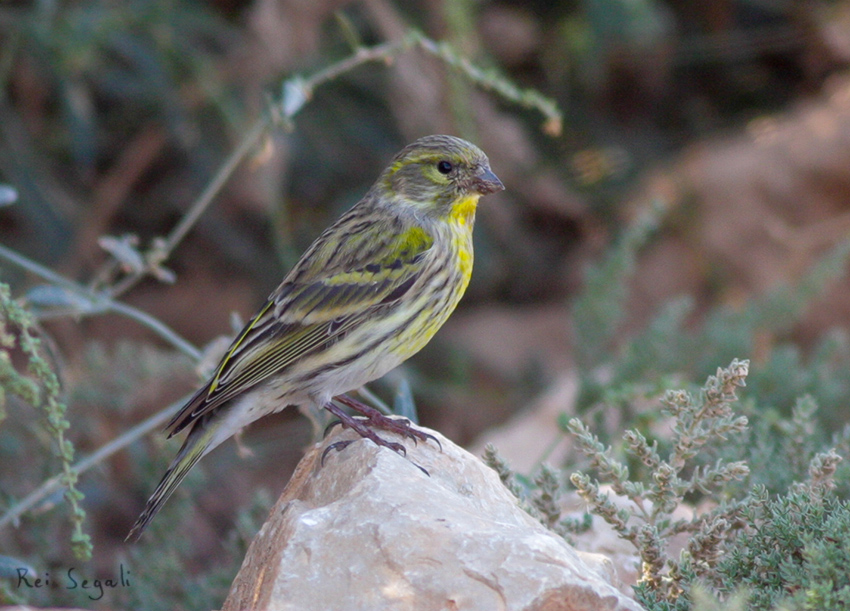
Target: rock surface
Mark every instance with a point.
(370, 531)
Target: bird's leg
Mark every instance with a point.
(363, 427)
(377, 420)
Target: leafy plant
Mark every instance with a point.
(40, 389)
(745, 545)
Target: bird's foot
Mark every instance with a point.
(373, 419)
(377, 420)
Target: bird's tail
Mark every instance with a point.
(196, 445)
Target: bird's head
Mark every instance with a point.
(434, 173)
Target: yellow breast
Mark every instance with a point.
(458, 225)
(461, 220)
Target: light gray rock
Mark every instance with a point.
(370, 531)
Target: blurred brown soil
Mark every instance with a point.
(754, 211)
(747, 213)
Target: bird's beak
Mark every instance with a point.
(486, 182)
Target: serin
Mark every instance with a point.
(369, 293)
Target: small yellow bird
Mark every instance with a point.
(368, 294)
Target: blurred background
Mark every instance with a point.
(694, 208)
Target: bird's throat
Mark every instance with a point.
(463, 210)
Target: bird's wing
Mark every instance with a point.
(334, 288)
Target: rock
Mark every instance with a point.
(520, 442)
(369, 530)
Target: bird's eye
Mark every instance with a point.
(444, 167)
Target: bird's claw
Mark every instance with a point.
(401, 426)
(330, 427)
(374, 419)
(339, 446)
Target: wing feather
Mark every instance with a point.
(334, 288)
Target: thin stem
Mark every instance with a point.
(298, 91)
(158, 327)
(48, 487)
(375, 400)
(363, 55)
(226, 171)
(162, 250)
(38, 269)
(99, 303)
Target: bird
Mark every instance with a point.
(369, 293)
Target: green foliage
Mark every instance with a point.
(784, 549)
(161, 566)
(672, 345)
(598, 312)
(546, 500)
(696, 449)
(497, 463)
(98, 77)
(798, 439)
(541, 498)
(137, 57)
(42, 390)
(698, 420)
(798, 543)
